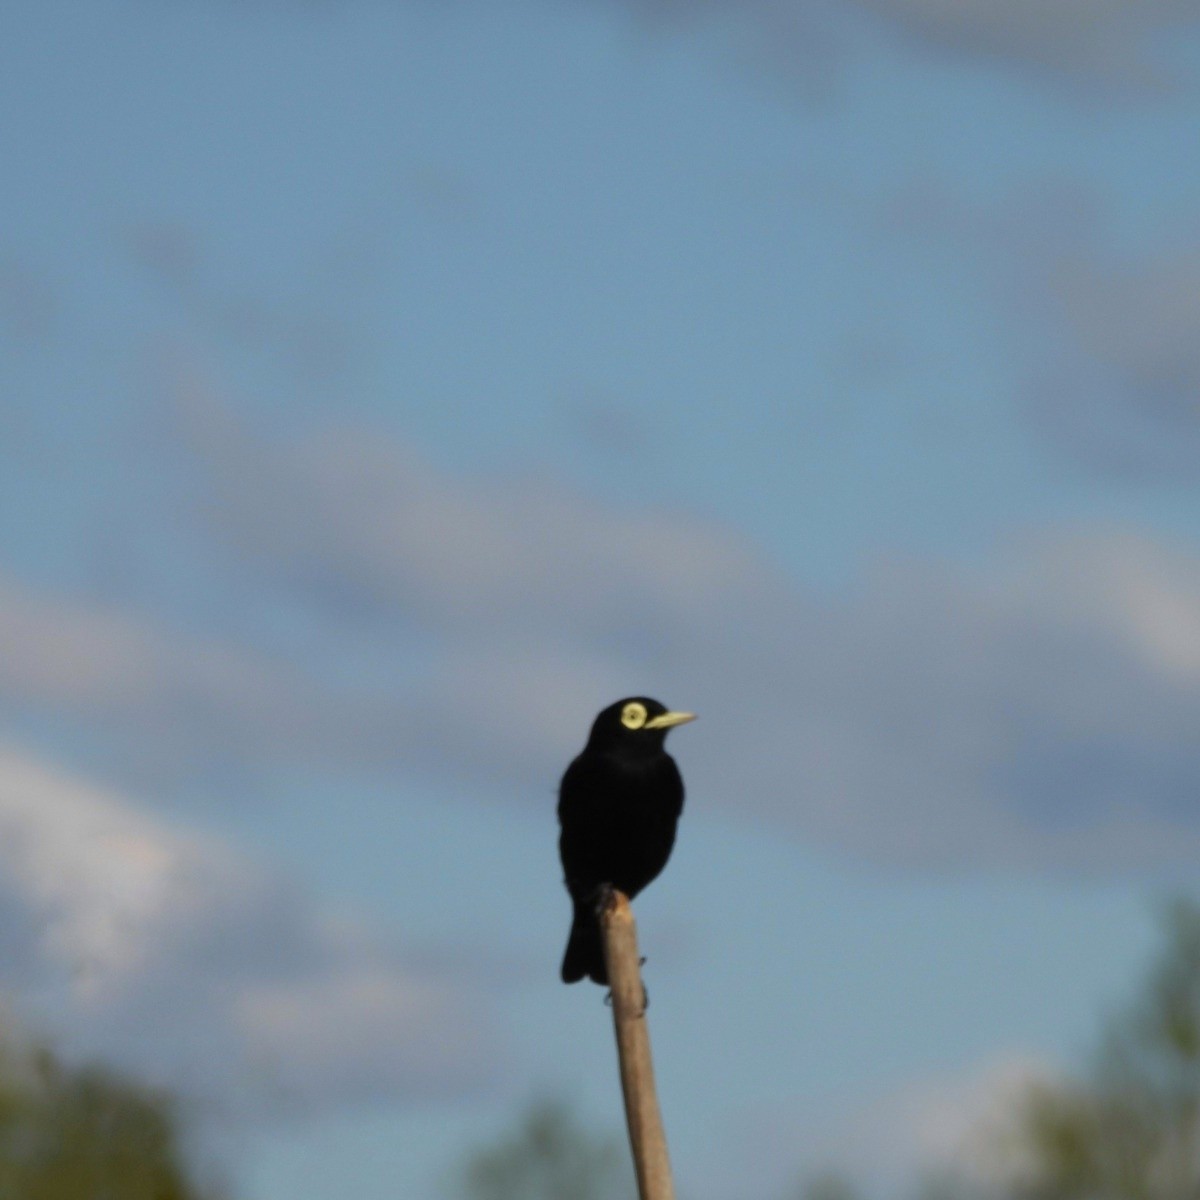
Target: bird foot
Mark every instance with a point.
(608, 999)
(602, 898)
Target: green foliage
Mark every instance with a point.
(85, 1134)
(549, 1156)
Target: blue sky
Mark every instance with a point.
(386, 388)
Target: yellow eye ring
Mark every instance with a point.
(633, 715)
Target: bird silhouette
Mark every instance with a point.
(618, 807)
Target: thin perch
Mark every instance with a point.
(651, 1164)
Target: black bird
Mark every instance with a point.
(618, 805)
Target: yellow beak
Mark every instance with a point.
(669, 719)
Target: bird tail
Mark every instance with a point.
(584, 955)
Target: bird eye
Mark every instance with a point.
(633, 716)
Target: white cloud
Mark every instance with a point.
(963, 1125)
(1039, 710)
(337, 1033)
(99, 883)
(956, 1125)
(167, 703)
(93, 664)
(168, 953)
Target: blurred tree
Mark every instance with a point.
(85, 1134)
(549, 1156)
(1130, 1129)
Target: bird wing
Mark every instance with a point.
(585, 813)
(617, 827)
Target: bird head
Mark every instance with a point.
(635, 724)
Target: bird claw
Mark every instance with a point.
(608, 999)
(602, 897)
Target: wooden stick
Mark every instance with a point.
(651, 1164)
